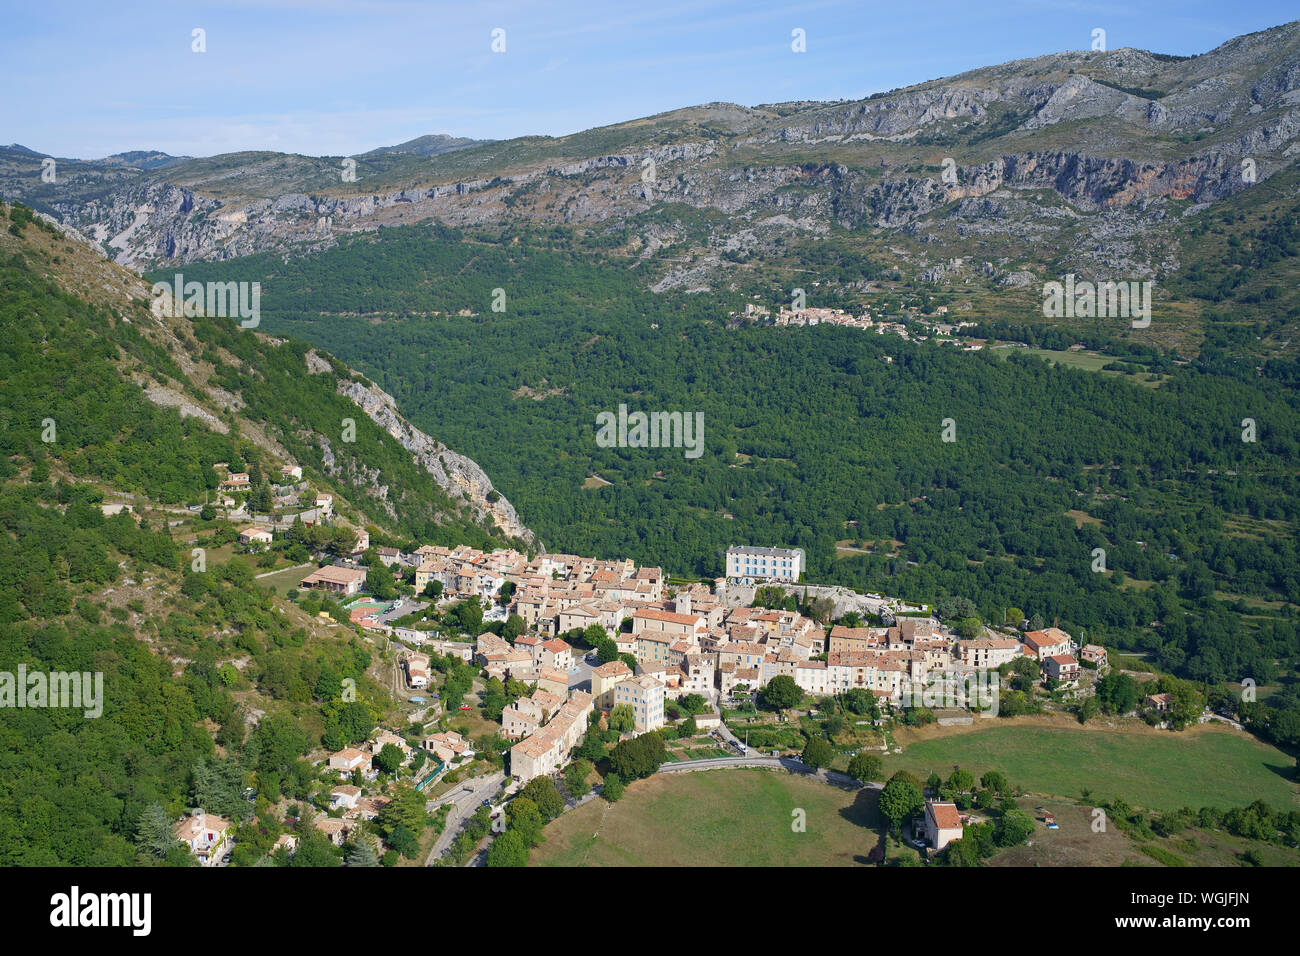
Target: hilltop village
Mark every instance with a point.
(517, 671)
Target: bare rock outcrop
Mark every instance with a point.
(458, 475)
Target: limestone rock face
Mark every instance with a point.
(461, 477)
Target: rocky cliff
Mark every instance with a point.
(458, 475)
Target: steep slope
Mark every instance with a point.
(292, 404)
(212, 680)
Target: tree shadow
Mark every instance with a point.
(863, 812)
(1287, 772)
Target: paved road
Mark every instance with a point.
(727, 736)
(403, 607)
(463, 805)
(1218, 719)
(720, 763)
(581, 680)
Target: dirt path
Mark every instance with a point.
(600, 826)
(296, 567)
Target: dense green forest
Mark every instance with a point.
(102, 791)
(307, 414)
(71, 789)
(67, 398)
(818, 436)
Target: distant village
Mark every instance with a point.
(911, 323)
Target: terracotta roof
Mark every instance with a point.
(336, 575)
(194, 826)
(945, 815)
(1046, 638)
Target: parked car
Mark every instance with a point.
(465, 707)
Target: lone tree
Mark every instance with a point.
(693, 703)
(542, 791)
(780, 693)
(575, 777)
(622, 719)
(154, 831)
(509, 849)
(995, 780)
(361, 852)
(817, 753)
(865, 767)
(861, 702)
(613, 788)
(390, 758)
(961, 780)
(900, 799)
(1014, 828)
(637, 758)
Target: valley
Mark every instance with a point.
(626, 496)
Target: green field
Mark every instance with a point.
(285, 578)
(1089, 361)
(695, 819)
(1157, 770)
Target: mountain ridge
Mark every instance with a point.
(1127, 140)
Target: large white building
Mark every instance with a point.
(751, 565)
(645, 696)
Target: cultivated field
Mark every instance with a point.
(716, 818)
(1201, 766)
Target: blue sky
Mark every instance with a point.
(334, 77)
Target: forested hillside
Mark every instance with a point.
(211, 682)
